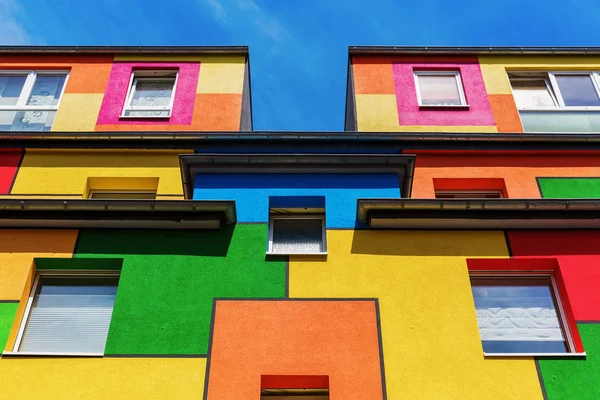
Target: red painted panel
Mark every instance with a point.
(578, 255)
(471, 184)
(9, 164)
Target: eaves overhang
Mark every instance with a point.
(210, 140)
(192, 164)
(480, 214)
(101, 213)
(162, 50)
(473, 50)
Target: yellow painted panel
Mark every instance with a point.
(78, 112)
(496, 79)
(104, 378)
(376, 112)
(431, 343)
(19, 247)
(222, 75)
(66, 172)
(121, 183)
(379, 113)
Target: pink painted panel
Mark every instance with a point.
(118, 85)
(478, 114)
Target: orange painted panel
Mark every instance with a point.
(505, 113)
(338, 339)
(373, 78)
(217, 112)
(88, 78)
(519, 172)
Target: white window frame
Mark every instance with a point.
(459, 85)
(30, 299)
(272, 218)
(562, 317)
(554, 90)
(136, 76)
(28, 87)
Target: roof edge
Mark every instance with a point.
(175, 50)
(472, 50)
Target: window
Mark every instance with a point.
(68, 314)
(297, 235)
(468, 194)
(439, 89)
(122, 195)
(555, 90)
(520, 314)
(29, 99)
(294, 394)
(151, 94)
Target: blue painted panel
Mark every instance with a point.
(251, 192)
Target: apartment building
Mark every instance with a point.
(443, 247)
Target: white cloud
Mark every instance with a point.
(11, 31)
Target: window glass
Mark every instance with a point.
(152, 93)
(439, 90)
(10, 89)
(577, 90)
(70, 314)
(46, 90)
(517, 315)
(292, 235)
(532, 93)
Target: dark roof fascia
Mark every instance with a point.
(472, 50)
(403, 164)
(480, 213)
(206, 140)
(174, 50)
(101, 213)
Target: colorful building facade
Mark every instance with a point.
(444, 247)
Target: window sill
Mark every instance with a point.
(144, 117)
(443, 107)
(48, 354)
(537, 355)
(271, 253)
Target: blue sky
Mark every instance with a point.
(298, 48)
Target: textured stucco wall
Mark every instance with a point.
(519, 173)
(251, 192)
(66, 172)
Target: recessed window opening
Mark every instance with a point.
(520, 313)
(294, 394)
(68, 314)
(29, 99)
(122, 195)
(469, 194)
(439, 89)
(556, 90)
(151, 94)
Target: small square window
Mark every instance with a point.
(439, 89)
(468, 194)
(297, 235)
(520, 314)
(151, 94)
(68, 314)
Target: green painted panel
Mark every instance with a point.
(575, 378)
(7, 317)
(560, 121)
(570, 188)
(101, 264)
(169, 279)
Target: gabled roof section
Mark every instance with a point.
(174, 50)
